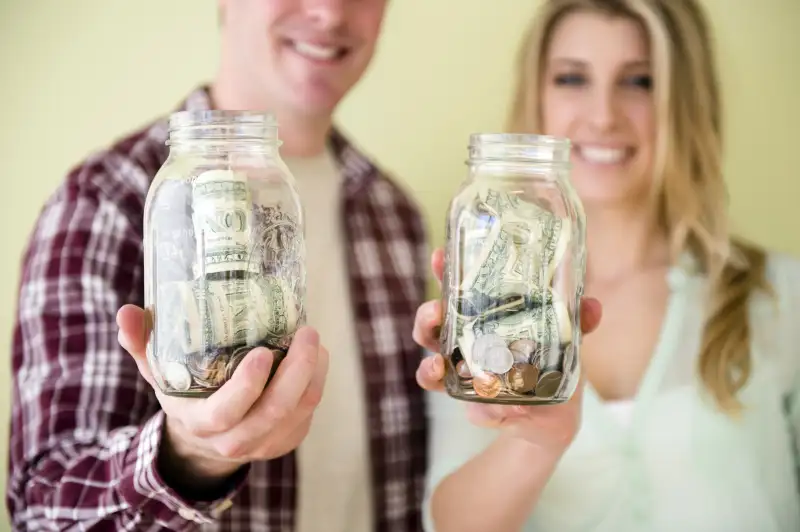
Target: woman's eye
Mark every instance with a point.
(642, 82)
(570, 79)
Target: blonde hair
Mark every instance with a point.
(690, 192)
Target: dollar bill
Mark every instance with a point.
(509, 252)
(496, 255)
(222, 219)
(224, 313)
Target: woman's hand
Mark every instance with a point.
(549, 428)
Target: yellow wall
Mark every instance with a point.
(77, 73)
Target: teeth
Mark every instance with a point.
(314, 51)
(602, 155)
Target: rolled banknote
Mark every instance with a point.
(222, 218)
(222, 313)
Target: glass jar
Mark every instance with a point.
(224, 250)
(514, 273)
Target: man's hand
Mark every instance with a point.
(548, 427)
(242, 421)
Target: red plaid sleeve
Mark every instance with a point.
(86, 427)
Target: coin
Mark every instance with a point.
(489, 352)
(233, 362)
(177, 376)
(486, 385)
(548, 384)
(522, 378)
(208, 370)
(522, 350)
(498, 360)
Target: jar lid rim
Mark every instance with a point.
(534, 139)
(207, 117)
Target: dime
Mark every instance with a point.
(486, 385)
(522, 378)
(490, 353)
(548, 384)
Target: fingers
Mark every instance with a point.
(281, 399)
(288, 434)
(313, 394)
(228, 406)
(135, 325)
(430, 373)
(437, 265)
(133, 332)
(591, 313)
(427, 325)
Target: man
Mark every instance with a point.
(94, 447)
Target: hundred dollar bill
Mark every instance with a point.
(222, 218)
(225, 313)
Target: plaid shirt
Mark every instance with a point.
(86, 427)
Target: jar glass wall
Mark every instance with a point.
(224, 250)
(514, 274)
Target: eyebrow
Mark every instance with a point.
(569, 61)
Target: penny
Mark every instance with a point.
(522, 378)
(548, 384)
(486, 385)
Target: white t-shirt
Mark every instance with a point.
(334, 465)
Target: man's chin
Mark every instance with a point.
(314, 100)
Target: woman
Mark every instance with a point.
(692, 396)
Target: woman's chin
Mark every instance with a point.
(608, 199)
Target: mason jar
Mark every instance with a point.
(515, 263)
(224, 250)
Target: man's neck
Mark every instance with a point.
(301, 135)
(623, 241)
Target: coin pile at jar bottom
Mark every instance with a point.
(228, 266)
(524, 377)
(203, 373)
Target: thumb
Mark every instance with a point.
(135, 325)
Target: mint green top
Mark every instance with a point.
(677, 464)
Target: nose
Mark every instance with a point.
(326, 13)
(602, 109)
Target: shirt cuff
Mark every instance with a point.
(146, 492)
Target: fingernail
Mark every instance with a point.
(263, 359)
(310, 336)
